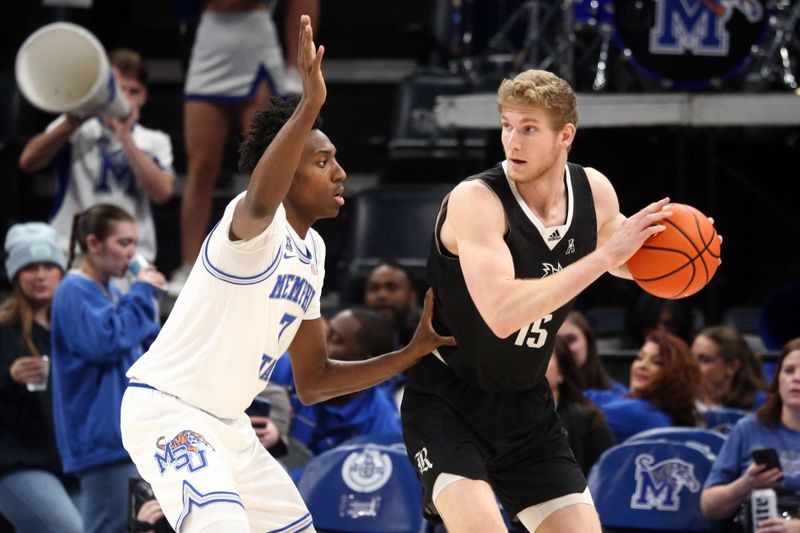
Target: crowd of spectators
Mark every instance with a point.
(70, 328)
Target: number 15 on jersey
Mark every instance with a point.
(533, 335)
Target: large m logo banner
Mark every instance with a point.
(698, 26)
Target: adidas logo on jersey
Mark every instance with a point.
(555, 236)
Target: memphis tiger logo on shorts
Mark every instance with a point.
(187, 450)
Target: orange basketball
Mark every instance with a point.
(680, 260)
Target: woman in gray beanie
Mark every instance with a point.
(34, 493)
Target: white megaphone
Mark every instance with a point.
(63, 68)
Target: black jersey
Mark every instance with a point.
(519, 361)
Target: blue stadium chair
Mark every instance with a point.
(651, 486)
(394, 223)
(393, 440)
(363, 488)
(722, 419)
(706, 439)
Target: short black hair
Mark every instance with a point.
(391, 263)
(376, 334)
(264, 127)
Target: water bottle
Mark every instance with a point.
(763, 506)
(136, 264)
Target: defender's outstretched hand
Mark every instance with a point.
(425, 338)
(309, 61)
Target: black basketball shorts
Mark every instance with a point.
(512, 440)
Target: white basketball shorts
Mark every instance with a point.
(204, 469)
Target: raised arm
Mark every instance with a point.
(318, 378)
(274, 172)
(155, 181)
(42, 148)
(507, 304)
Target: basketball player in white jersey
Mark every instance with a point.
(252, 294)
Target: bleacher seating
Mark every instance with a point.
(651, 485)
(722, 419)
(707, 439)
(363, 488)
(391, 223)
(393, 440)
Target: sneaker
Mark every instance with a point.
(178, 280)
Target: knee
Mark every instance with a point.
(202, 172)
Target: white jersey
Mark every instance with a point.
(236, 315)
(94, 168)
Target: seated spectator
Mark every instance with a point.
(587, 431)
(150, 518)
(650, 313)
(355, 334)
(730, 369)
(582, 342)
(34, 494)
(146, 515)
(776, 425)
(665, 384)
(273, 430)
(97, 335)
(107, 159)
(389, 290)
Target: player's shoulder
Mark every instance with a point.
(472, 191)
(596, 177)
(603, 191)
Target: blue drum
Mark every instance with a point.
(589, 13)
(690, 44)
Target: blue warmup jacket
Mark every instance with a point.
(94, 341)
(324, 426)
(629, 416)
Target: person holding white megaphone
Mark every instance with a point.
(99, 151)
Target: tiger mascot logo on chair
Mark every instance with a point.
(658, 485)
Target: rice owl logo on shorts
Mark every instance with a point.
(658, 486)
(187, 450)
(367, 470)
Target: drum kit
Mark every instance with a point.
(606, 45)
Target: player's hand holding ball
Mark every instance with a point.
(682, 259)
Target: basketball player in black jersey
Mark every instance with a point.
(513, 248)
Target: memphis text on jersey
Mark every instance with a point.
(293, 288)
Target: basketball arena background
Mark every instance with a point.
(678, 98)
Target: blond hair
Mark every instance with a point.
(17, 310)
(541, 88)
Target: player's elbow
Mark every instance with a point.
(498, 325)
(308, 395)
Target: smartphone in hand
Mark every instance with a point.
(259, 407)
(768, 457)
